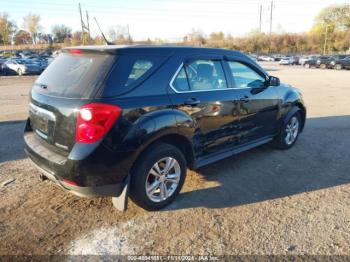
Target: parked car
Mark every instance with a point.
(20, 67)
(289, 61)
(323, 62)
(303, 59)
(266, 58)
(342, 63)
(312, 62)
(335, 60)
(277, 58)
(107, 119)
(2, 61)
(41, 62)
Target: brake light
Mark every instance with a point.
(75, 51)
(94, 121)
(70, 183)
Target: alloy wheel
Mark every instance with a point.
(163, 179)
(292, 130)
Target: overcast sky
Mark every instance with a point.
(172, 19)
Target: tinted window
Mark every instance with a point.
(245, 76)
(139, 68)
(129, 71)
(200, 75)
(74, 76)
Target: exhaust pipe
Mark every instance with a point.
(42, 177)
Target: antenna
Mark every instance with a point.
(104, 37)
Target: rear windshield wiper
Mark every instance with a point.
(43, 86)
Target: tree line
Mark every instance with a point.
(329, 34)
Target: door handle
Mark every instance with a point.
(191, 102)
(244, 99)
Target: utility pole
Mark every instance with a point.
(84, 28)
(82, 24)
(325, 41)
(260, 18)
(271, 11)
(87, 22)
(129, 38)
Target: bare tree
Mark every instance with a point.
(31, 23)
(119, 34)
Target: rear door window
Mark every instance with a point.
(74, 75)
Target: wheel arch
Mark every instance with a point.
(302, 111)
(175, 139)
(297, 107)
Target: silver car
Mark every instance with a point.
(20, 67)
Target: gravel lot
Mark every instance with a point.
(261, 202)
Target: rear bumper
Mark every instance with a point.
(95, 170)
(112, 190)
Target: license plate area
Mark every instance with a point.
(43, 121)
(42, 125)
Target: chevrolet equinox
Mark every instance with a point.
(128, 121)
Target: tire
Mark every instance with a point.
(307, 65)
(281, 141)
(338, 67)
(19, 72)
(323, 66)
(145, 177)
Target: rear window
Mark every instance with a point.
(74, 75)
(129, 71)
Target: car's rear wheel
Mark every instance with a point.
(289, 132)
(307, 65)
(158, 176)
(323, 66)
(338, 67)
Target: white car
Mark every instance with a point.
(303, 59)
(266, 58)
(286, 61)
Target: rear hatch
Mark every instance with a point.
(69, 82)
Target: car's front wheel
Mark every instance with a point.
(158, 176)
(338, 67)
(289, 132)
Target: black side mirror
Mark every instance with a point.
(273, 81)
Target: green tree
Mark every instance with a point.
(61, 32)
(7, 29)
(332, 24)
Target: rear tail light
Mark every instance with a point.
(94, 121)
(69, 182)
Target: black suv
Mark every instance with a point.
(318, 62)
(342, 62)
(114, 121)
